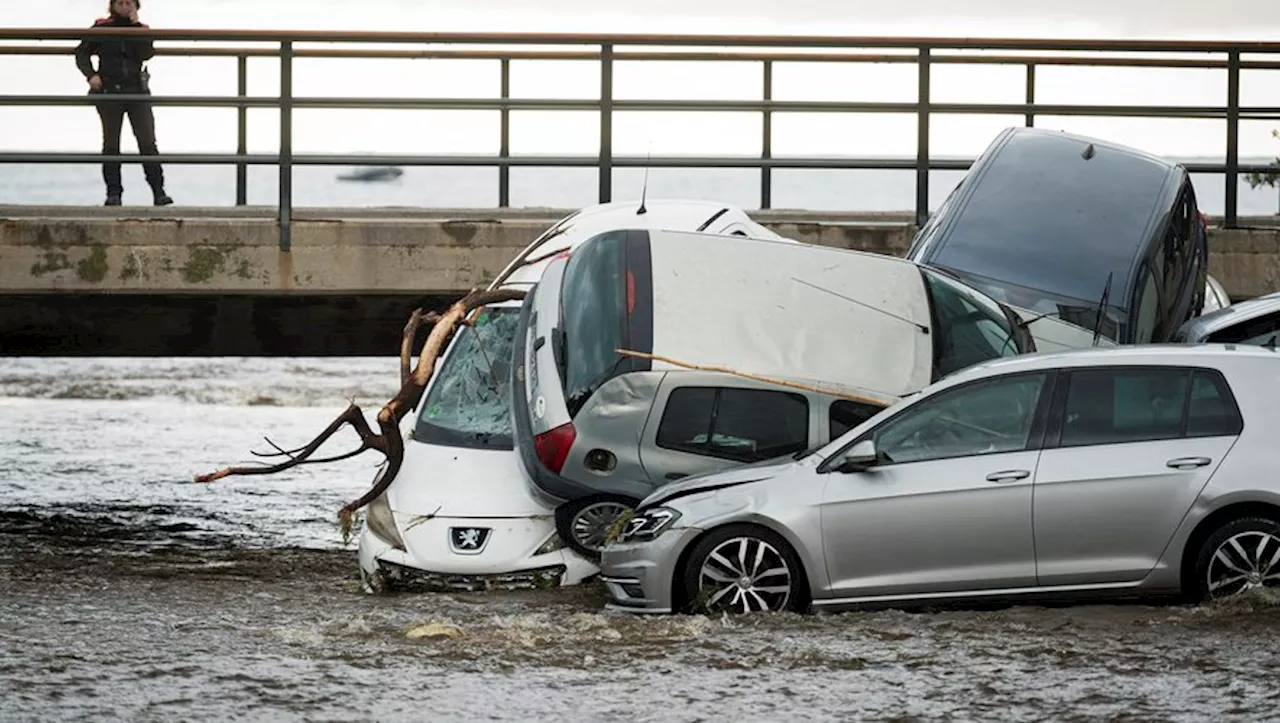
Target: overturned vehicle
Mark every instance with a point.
(1078, 228)
(647, 356)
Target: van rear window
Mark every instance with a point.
(593, 305)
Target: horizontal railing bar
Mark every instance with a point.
(586, 55)
(719, 106)
(623, 39)
(537, 161)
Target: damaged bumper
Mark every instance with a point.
(468, 553)
(640, 576)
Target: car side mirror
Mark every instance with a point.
(861, 457)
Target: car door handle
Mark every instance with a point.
(1009, 475)
(676, 475)
(1188, 462)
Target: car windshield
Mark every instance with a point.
(469, 404)
(971, 328)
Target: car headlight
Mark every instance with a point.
(552, 544)
(649, 524)
(382, 523)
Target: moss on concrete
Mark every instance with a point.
(131, 269)
(203, 262)
(93, 269)
(50, 262)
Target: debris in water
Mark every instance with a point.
(433, 630)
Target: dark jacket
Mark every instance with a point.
(119, 61)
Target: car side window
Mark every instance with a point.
(1212, 411)
(1257, 332)
(1116, 406)
(746, 425)
(845, 415)
(989, 417)
(1148, 306)
(686, 421)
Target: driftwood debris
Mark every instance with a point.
(413, 380)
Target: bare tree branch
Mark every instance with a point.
(413, 381)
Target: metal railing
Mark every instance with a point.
(608, 50)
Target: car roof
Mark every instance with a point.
(769, 307)
(1203, 326)
(1127, 355)
(677, 214)
(1089, 205)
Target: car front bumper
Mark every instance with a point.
(507, 559)
(639, 576)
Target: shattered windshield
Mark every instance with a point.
(971, 328)
(469, 405)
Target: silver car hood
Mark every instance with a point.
(755, 472)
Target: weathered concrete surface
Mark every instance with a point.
(397, 251)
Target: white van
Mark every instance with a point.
(598, 430)
(459, 514)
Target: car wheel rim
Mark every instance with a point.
(745, 575)
(592, 524)
(1246, 561)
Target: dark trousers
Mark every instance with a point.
(143, 123)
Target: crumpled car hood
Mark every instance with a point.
(718, 480)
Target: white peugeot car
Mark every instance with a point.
(460, 514)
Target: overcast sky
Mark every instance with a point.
(1227, 19)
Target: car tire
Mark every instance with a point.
(584, 523)
(771, 581)
(1248, 547)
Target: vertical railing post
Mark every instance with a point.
(766, 140)
(1031, 94)
(286, 145)
(504, 140)
(1232, 183)
(922, 141)
(242, 130)
(606, 123)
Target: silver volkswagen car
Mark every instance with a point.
(1124, 472)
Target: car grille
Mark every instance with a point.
(411, 579)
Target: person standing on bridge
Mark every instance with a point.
(120, 70)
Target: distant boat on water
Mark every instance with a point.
(373, 173)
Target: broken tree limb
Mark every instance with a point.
(406, 343)
(351, 415)
(412, 384)
(757, 377)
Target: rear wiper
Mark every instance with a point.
(806, 452)
(1024, 323)
(580, 397)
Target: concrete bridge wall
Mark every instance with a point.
(213, 281)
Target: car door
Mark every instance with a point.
(1128, 451)
(696, 428)
(947, 507)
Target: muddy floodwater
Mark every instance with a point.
(127, 593)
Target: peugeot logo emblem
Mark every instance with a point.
(468, 540)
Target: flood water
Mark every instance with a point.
(130, 593)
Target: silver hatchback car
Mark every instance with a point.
(1136, 471)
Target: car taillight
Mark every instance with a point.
(631, 293)
(553, 446)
